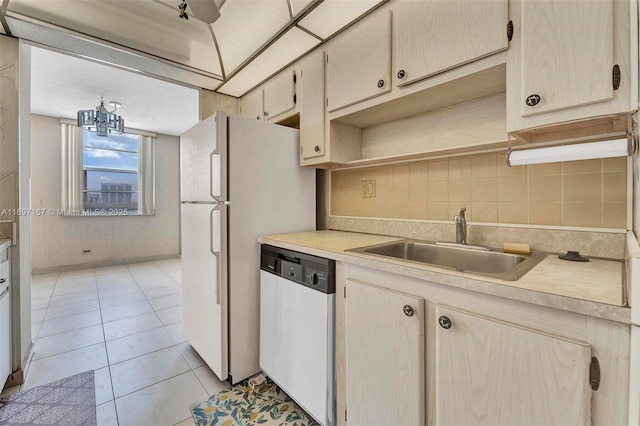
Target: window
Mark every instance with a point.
(110, 173)
(106, 176)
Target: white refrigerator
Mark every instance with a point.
(239, 179)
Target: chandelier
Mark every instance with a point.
(101, 120)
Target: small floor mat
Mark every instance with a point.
(70, 401)
(247, 404)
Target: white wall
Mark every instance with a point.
(58, 241)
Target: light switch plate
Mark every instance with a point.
(368, 188)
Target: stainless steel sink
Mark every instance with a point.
(505, 266)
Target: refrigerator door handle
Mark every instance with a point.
(215, 252)
(217, 255)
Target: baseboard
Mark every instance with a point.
(49, 269)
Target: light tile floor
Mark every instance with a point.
(124, 322)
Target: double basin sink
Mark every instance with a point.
(458, 257)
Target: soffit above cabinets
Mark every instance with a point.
(252, 39)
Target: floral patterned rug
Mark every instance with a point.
(70, 401)
(256, 401)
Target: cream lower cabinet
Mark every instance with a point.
(385, 356)
(495, 373)
(414, 352)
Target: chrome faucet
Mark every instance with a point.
(461, 227)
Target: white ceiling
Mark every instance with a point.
(251, 40)
(61, 85)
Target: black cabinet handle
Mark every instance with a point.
(533, 100)
(3, 280)
(444, 322)
(401, 74)
(316, 148)
(380, 83)
(408, 310)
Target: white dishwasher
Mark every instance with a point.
(297, 328)
(5, 322)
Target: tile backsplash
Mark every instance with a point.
(589, 193)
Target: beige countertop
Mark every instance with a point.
(593, 288)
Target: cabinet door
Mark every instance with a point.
(359, 62)
(385, 356)
(280, 95)
(493, 373)
(251, 105)
(435, 35)
(566, 55)
(312, 105)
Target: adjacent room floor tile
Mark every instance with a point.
(59, 291)
(71, 322)
(131, 325)
(138, 344)
(40, 303)
(171, 315)
(191, 355)
(74, 281)
(38, 315)
(145, 285)
(67, 364)
(153, 293)
(114, 269)
(114, 289)
(122, 299)
(176, 394)
(70, 340)
(126, 311)
(115, 278)
(187, 422)
(210, 381)
(44, 278)
(166, 302)
(176, 332)
(71, 309)
(146, 370)
(43, 292)
(35, 329)
(146, 363)
(104, 390)
(106, 414)
(73, 298)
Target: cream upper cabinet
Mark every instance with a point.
(432, 36)
(312, 123)
(280, 95)
(251, 105)
(570, 60)
(495, 373)
(567, 54)
(359, 62)
(385, 356)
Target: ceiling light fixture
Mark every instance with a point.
(101, 120)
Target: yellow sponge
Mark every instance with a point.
(517, 248)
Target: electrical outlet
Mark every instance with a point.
(86, 251)
(368, 188)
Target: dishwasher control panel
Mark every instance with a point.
(314, 272)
